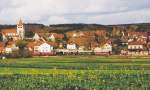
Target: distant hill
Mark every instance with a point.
(28, 27)
(77, 27)
(7, 26)
(60, 28)
(137, 26)
(34, 27)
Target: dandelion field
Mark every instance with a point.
(75, 73)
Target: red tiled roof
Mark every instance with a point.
(56, 35)
(109, 41)
(100, 33)
(10, 44)
(53, 44)
(4, 31)
(136, 43)
(35, 43)
(2, 46)
(137, 33)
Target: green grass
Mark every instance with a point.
(75, 73)
(78, 63)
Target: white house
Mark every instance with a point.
(70, 50)
(36, 37)
(104, 49)
(74, 35)
(43, 48)
(137, 49)
(52, 38)
(10, 47)
(81, 47)
(8, 50)
(4, 38)
(81, 34)
(71, 46)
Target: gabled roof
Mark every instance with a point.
(100, 32)
(53, 44)
(138, 33)
(10, 44)
(12, 30)
(136, 43)
(2, 46)
(124, 39)
(52, 36)
(56, 35)
(108, 41)
(34, 43)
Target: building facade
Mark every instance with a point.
(15, 34)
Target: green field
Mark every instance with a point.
(75, 73)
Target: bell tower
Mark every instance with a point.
(20, 29)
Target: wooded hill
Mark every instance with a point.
(61, 28)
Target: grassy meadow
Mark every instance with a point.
(75, 73)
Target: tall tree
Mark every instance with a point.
(22, 44)
(1, 37)
(29, 34)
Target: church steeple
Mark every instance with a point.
(20, 23)
(20, 29)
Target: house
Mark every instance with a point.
(36, 37)
(10, 34)
(124, 52)
(71, 49)
(74, 35)
(72, 46)
(40, 48)
(105, 48)
(137, 43)
(17, 33)
(101, 33)
(82, 51)
(136, 48)
(138, 36)
(55, 36)
(94, 45)
(52, 38)
(44, 48)
(124, 40)
(4, 38)
(10, 47)
(61, 45)
(81, 47)
(81, 34)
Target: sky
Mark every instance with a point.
(75, 11)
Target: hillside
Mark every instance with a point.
(77, 27)
(61, 28)
(136, 27)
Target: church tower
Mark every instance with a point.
(20, 30)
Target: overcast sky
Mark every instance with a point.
(75, 11)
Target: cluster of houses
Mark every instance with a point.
(137, 44)
(49, 44)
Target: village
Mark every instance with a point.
(96, 42)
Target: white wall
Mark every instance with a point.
(71, 46)
(105, 48)
(45, 48)
(135, 46)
